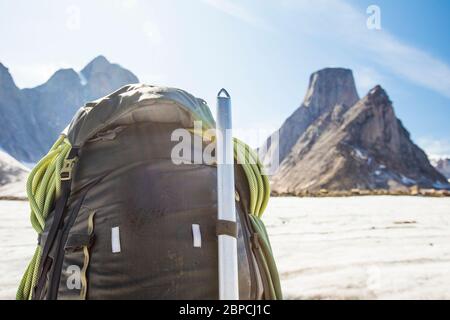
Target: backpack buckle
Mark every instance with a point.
(67, 168)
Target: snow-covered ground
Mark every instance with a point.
(380, 247)
(17, 244)
(326, 248)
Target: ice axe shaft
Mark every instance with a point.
(228, 264)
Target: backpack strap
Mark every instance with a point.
(225, 227)
(60, 210)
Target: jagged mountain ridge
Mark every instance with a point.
(33, 118)
(358, 146)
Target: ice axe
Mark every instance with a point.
(228, 263)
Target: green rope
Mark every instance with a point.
(262, 194)
(43, 187)
(268, 260)
(259, 197)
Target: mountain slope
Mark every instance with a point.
(13, 176)
(33, 118)
(18, 122)
(361, 146)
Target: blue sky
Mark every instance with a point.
(262, 51)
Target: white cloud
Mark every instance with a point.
(337, 20)
(435, 148)
(235, 10)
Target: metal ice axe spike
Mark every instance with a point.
(228, 263)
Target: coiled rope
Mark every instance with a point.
(43, 187)
(259, 197)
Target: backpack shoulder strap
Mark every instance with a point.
(60, 211)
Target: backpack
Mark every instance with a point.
(117, 218)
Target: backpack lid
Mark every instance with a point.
(137, 103)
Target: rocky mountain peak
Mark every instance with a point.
(98, 65)
(378, 96)
(377, 90)
(61, 79)
(103, 77)
(329, 87)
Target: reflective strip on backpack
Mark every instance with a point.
(115, 240)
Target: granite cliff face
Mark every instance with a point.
(349, 143)
(33, 118)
